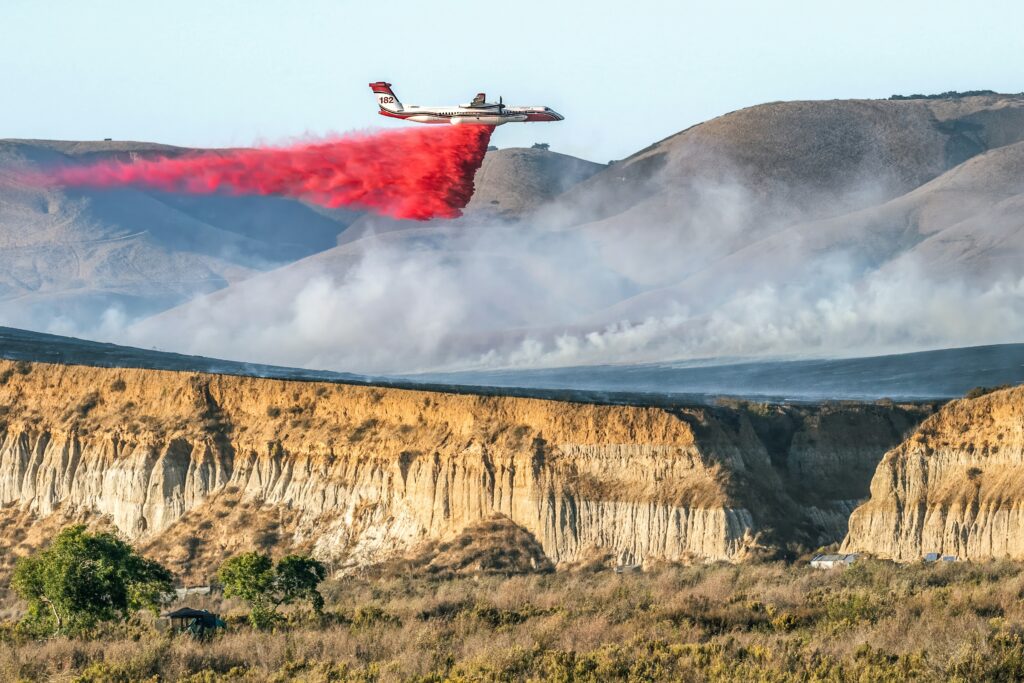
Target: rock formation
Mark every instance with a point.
(196, 466)
(954, 487)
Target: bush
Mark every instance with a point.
(364, 428)
(88, 402)
(254, 578)
(950, 95)
(978, 392)
(371, 615)
(83, 579)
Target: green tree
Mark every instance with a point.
(82, 579)
(254, 578)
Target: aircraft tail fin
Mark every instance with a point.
(385, 96)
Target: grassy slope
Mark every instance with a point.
(876, 621)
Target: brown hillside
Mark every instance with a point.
(197, 467)
(954, 487)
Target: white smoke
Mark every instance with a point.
(654, 283)
(492, 297)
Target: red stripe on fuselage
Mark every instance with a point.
(446, 118)
(385, 112)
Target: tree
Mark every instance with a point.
(83, 579)
(254, 578)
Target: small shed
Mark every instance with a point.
(198, 622)
(831, 561)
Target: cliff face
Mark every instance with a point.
(197, 466)
(955, 487)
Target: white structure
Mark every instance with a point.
(937, 557)
(191, 590)
(832, 561)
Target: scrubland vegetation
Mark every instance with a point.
(875, 621)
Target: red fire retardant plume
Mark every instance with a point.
(419, 173)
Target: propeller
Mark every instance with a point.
(501, 105)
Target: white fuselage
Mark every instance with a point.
(490, 115)
(478, 112)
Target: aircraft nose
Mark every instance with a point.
(557, 116)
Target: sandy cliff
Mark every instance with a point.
(197, 466)
(954, 487)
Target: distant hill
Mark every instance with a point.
(723, 184)
(515, 180)
(923, 376)
(72, 254)
(967, 225)
(810, 195)
(821, 157)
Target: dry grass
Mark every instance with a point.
(875, 621)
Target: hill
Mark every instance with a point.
(515, 181)
(196, 466)
(953, 487)
(820, 157)
(964, 226)
(924, 376)
(71, 254)
(721, 185)
(835, 228)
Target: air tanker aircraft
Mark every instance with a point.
(478, 112)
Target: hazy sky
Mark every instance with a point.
(624, 74)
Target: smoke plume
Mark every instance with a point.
(417, 173)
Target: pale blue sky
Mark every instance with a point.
(624, 74)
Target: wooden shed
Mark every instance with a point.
(198, 622)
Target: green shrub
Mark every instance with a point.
(978, 392)
(84, 579)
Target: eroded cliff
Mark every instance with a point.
(955, 487)
(197, 466)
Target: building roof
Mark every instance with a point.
(835, 558)
(189, 613)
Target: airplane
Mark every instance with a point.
(479, 112)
